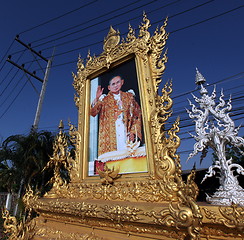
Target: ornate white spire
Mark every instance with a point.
(221, 132)
(199, 80)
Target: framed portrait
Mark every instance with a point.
(120, 128)
(116, 135)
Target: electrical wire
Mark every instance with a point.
(105, 29)
(191, 25)
(90, 20)
(106, 20)
(118, 15)
(58, 17)
(208, 19)
(12, 102)
(211, 84)
(9, 83)
(9, 73)
(6, 110)
(4, 56)
(12, 91)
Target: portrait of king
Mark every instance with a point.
(117, 115)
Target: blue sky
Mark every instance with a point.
(204, 34)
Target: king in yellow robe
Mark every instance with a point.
(109, 110)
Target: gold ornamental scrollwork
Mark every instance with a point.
(75, 139)
(112, 40)
(121, 213)
(60, 160)
(231, 216)
(23, 230)
(91, 201)
(179, 215)
(29, 198)
(108, 176)
(167, 162)
(78, 83)
(191, 187)
(61, 235)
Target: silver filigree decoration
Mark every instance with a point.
(216, 134)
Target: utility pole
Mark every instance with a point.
(42, 94)
(44, 81)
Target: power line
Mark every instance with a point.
(93, 25)
(208, 19)
(137, 17)
(222, 80)
(104, 29)
(83, 23)
(8, 75)
(4, 58)
(99, 42)
(110, 18)
(6, 110)
(9, 83)
(12, 91)
(58, 17)
(27, 72)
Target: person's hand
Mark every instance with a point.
(132, 137)
(99, 92)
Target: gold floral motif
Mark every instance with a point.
(23, 230)
(78, 83)
(131, 35)
(148, 191)
(75, 139)
(29, 198)
(61, 235)
(108, 175)
(178, 215)
(121, 213)
(234, 216)
(81, 209)
(60, 158)
(220, 233)
(231, 217)
(143, 33)
(132, 228)
(157, 45)
(112, 39)
(191, 187)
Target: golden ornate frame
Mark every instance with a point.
(163, 183)
(164, 167)
(153, 205)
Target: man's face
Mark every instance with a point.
(115, 85)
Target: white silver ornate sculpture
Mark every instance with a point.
(215, 129)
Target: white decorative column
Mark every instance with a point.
(215, 129)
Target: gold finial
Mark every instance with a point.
(112, 39)
(80, 65)
(61, 125)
